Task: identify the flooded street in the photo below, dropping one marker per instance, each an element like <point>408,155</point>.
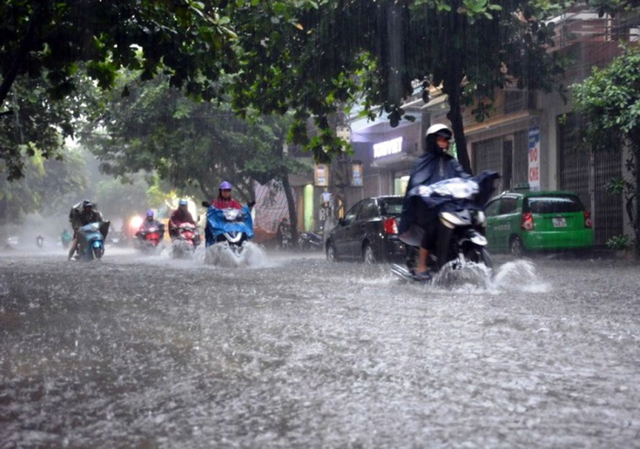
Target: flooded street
<point>136,351</point>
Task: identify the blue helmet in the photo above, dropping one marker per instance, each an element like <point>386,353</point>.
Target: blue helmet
<point>149,213</point>
<point>224,185</point>
<point>183,202</point>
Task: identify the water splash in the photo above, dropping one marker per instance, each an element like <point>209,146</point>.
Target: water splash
<point>223,255</point>
<point>465,276</point>
<point>518,275</point>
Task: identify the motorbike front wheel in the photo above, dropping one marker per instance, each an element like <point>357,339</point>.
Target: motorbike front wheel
<point>98,252</point>
<point>478,255</point>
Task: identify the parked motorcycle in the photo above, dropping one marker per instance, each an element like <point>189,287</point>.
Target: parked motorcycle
<point>313,241</point>
<point>461,241</point>
<point>185,241</point>
<point>150,239</point>
<point>91,240</point>
<point>227,233</point>
<point>283,235</point>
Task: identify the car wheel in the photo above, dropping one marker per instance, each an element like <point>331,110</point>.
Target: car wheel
<point>331,253</point>
<point>368,256</point>
<point>516,247</point>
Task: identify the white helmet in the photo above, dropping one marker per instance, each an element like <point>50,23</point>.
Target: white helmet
<point>440,129</point>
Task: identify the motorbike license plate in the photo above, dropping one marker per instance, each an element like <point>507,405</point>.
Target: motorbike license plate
<point>559,222</point>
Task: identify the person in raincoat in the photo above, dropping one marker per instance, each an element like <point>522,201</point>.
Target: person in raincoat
<point>150,222</point>
<point>224,200</point>
<point>433,166</point>
<point>179,216</point>
<point>80,215</point>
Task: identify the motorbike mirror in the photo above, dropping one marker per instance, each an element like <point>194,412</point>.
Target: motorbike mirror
<point>206,204</point>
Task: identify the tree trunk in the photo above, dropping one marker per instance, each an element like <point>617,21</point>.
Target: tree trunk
<point>455,117</point>
<point>292,209</point>
<point>636,219</point>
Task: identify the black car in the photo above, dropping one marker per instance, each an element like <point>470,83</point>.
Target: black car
<point>368,233</point>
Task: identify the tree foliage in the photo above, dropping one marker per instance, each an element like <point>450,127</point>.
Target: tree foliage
<point>359,50</point>
<point>610,102</point>
<point>314,57</point>
<point>50,43</point>
<point>47,186</point>
<point>192,145</point>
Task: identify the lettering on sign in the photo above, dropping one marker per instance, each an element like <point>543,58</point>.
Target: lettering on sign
<point>387,147</point>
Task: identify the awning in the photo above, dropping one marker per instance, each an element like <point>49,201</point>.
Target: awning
<point>437,101</point>
<point>499,122</point>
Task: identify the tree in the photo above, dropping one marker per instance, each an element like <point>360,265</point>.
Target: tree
<point>609,100</point>
<point>326,61</point>
<point>191,145</point>
<point>49,42</point>
<point>613,7</point>
<point>37,124</point>
<point>47,186</point>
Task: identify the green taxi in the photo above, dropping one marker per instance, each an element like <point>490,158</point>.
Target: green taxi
<point>528,221</point>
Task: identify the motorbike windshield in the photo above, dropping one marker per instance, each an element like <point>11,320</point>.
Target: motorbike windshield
<point>239,220</point>
<point>91,227</point>
<point>455,188</point>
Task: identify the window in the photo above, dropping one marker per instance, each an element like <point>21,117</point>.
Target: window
<point>553,205</point>
<point>492,208</point>
<point>368,210</point>
<point>351,214</point>
<point>391,206</point>
<point>508,205</point>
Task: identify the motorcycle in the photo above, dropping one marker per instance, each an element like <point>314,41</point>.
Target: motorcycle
<point>40,241</point>
<point>313,241</point>
<point>227,232</point>
<point>66,238</point>
<point>91,240</point>
<point>117,238</point>
<point>185,240</point>
<point>283,236</point>
<point>150,239</point>
<point>461,241</point>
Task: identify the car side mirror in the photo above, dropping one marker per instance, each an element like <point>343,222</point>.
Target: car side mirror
<point>206,204</point>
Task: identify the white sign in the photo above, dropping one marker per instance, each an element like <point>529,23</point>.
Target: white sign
<point>388,147</point>
<point>534,158</point>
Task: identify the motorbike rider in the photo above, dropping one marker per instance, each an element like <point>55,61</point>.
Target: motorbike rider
<point>224,200</point>
<point>179,216</point>
<point>80,215</point>
<point>433,166</point>
<point>150,222</point>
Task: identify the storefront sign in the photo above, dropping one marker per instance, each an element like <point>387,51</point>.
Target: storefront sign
<point>322,175</point>
<point>356,174</point>
<point>387,147</point>
<point>534,158</point>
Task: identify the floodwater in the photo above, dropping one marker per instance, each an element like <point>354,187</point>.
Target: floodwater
<point>136,351</point>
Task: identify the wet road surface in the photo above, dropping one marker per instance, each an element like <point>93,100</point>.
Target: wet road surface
<point>150,352</point>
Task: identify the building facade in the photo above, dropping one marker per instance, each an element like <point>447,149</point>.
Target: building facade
<point>531,138</point>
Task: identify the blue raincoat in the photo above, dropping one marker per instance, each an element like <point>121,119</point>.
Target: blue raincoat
<point>217,224</point>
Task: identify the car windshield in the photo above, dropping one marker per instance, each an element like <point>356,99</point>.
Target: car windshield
<point>554,204</point>
<point>391,206</point>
